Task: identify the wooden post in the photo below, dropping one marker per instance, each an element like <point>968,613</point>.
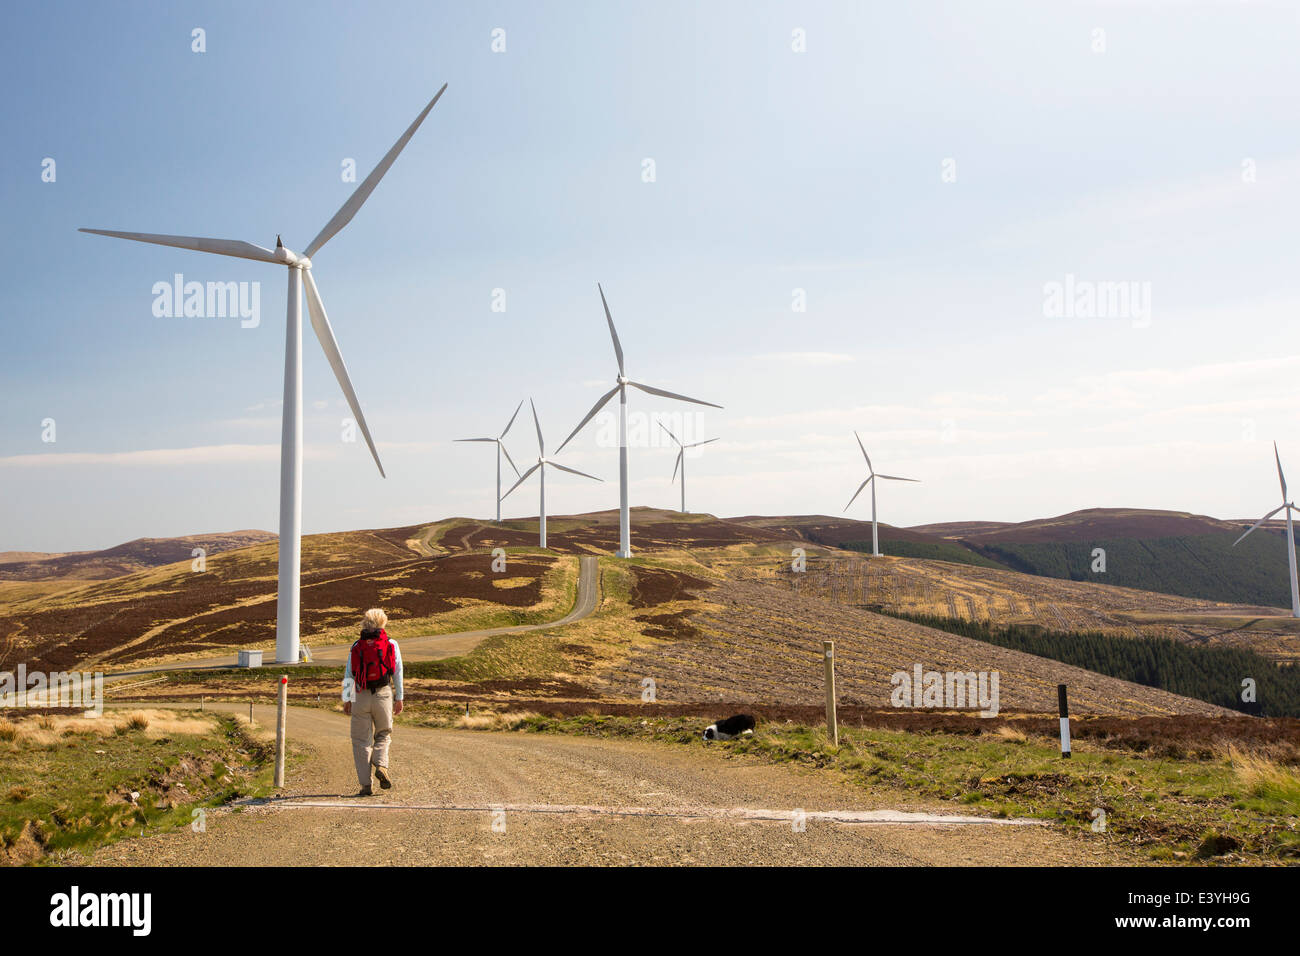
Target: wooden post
<point>832,728</point>
<point>279,730</point>
<point>250,711</point>
<point>1064,706</point>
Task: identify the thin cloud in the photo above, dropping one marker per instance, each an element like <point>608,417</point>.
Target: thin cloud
<point>151,457</point>
<point>807,358</point>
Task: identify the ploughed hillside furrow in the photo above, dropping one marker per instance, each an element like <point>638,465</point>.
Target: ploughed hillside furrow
<point>762,644</point>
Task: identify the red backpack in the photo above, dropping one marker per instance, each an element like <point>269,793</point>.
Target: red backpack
<point>373,660</point>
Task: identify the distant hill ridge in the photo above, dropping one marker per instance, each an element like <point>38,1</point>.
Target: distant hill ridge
<point>1174,552</point>
<point>126,558</point>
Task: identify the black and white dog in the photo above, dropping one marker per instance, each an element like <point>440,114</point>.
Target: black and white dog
<point>741,725</point>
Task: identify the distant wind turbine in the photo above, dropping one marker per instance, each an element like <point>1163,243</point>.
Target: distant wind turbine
<point>299,266</point>
<point>875,537</point>
<point>1290,535</point>
<point>624,522</point>
<point>542,462</point>
<point>681,460</point>
<point>501,448</point>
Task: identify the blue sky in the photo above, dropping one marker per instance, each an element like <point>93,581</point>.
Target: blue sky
<point>1162,151</point>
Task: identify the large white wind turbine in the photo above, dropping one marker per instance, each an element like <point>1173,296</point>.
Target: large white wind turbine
<point>501,447</point>
<point>1290,536</point>
<point>871,480</point>
<point>624,532</point>
<point>542,462</point>
<point>681,459</point>
<point>299,266</point>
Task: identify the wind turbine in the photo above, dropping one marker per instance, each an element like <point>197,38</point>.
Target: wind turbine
<point>681,460</point>
<point>501,447</point>
<point>542,462</point>
<point>299,266</point>
<point>624,530</point>
<point>1290,536</point>
<point>875,537</point>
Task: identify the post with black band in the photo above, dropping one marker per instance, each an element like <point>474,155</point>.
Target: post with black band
<point>1064,706</point>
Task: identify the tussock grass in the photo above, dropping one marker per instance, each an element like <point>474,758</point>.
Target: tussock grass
<point>51,730</point>
<point>494,721</point>
<point>116,775</point>
<point>1265,779</point>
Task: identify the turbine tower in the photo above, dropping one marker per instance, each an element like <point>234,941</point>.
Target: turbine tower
<point>871,480</point>
<point>542,462</point>
<point>501,447</point>
<point>300,277</point>
<point>1290,535</point>
<point>624,521</point>
<point>681,460</point>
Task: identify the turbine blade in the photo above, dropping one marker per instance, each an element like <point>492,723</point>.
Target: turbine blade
<point>675,464</point>
<point>541,445</point>
<point>670,434</point>
<point>618,349</point>
<point>320,323</point>
<point>858,492</point>
<point>600,403</point>
<point>221,247</point>
<point>1280,477</point>
<point>1258,523</point>
<point>507,454</point>
<point>699,443</point>
<point>522,479</point>
<point>681,398</point>
<point>896,478</point>
<point>512,419</point>
<point>473,439</point>
<point>864,453</point>
<point>573,471</point>
<point>362,192</point>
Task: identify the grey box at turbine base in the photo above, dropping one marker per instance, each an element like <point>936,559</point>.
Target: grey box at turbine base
<point>250,658</point>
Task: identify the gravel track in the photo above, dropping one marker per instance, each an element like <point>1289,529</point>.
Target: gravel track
<point>562,797</point>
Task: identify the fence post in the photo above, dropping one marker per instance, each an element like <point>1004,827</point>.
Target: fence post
<point>832,728</point>
<point>1064,706</point>
<point>279,730</point>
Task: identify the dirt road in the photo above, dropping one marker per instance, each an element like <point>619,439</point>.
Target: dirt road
<point>568,800</point>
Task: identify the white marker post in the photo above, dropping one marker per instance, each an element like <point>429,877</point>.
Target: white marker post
<point>832,728</point>
<point>1064,707</point>
<point>280,710</point>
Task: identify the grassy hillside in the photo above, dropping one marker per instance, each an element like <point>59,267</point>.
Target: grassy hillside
<point>855,535</point>
<point>175,611</point>
<point>1202,566</point>
<point>1211,674</point>
<point>929,550</point>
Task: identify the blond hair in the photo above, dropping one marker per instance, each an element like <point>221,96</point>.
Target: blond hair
<point>374,620</point>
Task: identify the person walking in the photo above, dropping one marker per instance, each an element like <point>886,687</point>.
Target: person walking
<point>372,696</point>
